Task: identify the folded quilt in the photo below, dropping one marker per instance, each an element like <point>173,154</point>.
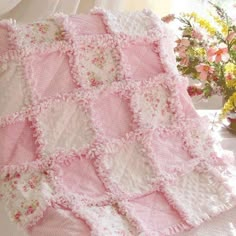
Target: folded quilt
<point>98,135</point>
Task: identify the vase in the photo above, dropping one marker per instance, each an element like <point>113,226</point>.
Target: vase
<point>231,118</point>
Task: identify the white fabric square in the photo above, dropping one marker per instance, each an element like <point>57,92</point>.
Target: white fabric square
<point>199,196</point>
<point>128,168</point>
<point>65,127</point>
<point>13,91</point>
<point>106,221</point>
<point>136,24</point>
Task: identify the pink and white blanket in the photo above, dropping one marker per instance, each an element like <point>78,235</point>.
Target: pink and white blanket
<point>98,135</point>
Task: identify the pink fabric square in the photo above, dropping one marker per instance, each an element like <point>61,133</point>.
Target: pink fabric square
<point>4,44</point>
<point>155,213</point>
<point>88,24</point>
<point>116,122</point>
<point>59,222</point>
<point>17,144</point>
<point>53,79</point>
<point>168,156</point>
<point>143,61</point>
<point>80,177</point>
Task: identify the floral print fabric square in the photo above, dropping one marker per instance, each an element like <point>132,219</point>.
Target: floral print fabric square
<point>39,32</point>
<point>98,60</point>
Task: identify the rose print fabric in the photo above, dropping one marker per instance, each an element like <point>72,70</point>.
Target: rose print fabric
<point>97,133</point>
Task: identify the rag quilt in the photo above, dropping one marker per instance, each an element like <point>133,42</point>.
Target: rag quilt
<point>98,135</point>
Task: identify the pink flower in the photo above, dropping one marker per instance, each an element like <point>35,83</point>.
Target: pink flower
<point>231,36</point>
<point>197,35</point>
<point>194,91</point>
<point>182,52</point>
<point>7,177</point>
<point>17,175</point>
<point>25,188</point>
<point>168,18</point>
<point>182,45</point>
<point>30,210</point>
<point>204,70</point>
<point>17,216</point>
<point>31,184</point>
<point>218,54</point>
<point>184,61</point>
<point>183,42</point>
<point>95,82</point>
<point>229,76</point>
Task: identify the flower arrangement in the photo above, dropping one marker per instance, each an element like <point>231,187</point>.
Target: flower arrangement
<point>206,52</point>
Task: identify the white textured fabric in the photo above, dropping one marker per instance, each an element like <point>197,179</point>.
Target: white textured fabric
<point>126,173</point>
<point>112,223</point>
<point>69,113</point>
<point>223,225</point>
<point>199,196</point>
<point>11,85</point>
